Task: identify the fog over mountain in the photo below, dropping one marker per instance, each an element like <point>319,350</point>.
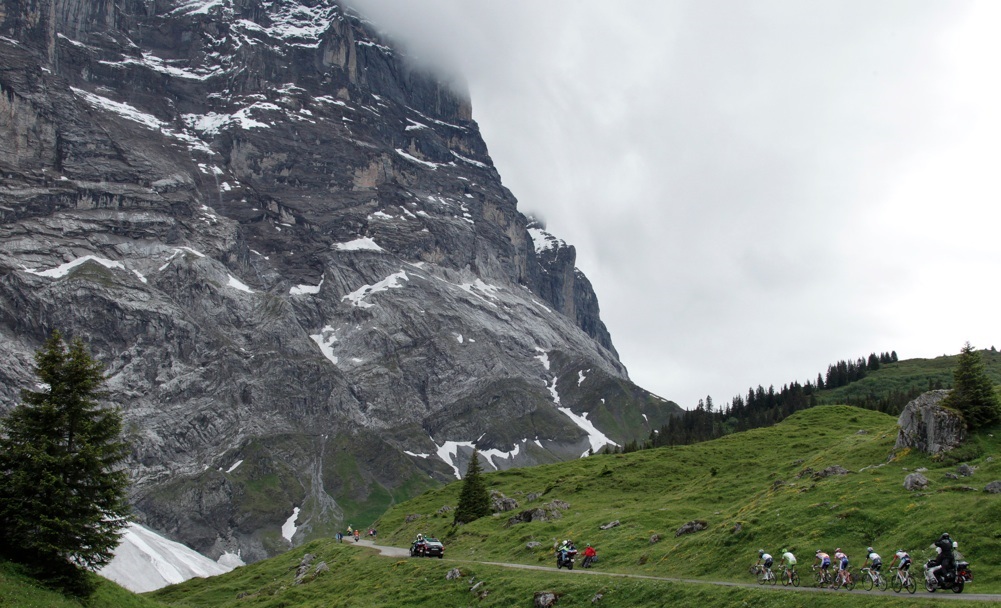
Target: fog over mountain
<point>755,189</point>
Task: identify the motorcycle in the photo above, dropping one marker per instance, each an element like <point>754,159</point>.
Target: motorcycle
<point>565,557</point>
<point>954,581</point>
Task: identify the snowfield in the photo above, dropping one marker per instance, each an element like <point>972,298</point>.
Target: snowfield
<point>146,561</point>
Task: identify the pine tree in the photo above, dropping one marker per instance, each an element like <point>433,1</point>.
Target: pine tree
<point>973,392</point>
<point>474,500</point>
<point>62,488</point>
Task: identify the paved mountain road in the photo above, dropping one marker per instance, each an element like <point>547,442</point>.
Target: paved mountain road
<point>942,595</point>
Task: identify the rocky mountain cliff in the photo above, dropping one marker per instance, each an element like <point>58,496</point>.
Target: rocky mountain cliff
<point>291,249</point>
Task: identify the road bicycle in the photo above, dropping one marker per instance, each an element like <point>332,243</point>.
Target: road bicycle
<point>822,576</point>
<point>790,577</point>
<point>766,576</point>
<point>755,569</point>
<point>847,581</point>
<point>903,580</point>
<point>872,578</point>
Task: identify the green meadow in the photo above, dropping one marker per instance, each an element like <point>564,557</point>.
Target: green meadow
<point>754,490</point>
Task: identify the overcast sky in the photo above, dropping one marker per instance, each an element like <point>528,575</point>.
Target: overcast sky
<point>755,189</point>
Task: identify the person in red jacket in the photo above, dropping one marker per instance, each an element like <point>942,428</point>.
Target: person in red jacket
<point>589,555</point>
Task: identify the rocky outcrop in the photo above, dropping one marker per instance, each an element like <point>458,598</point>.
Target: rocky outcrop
<point>927,426</point>
<point>915,481</point>
<point>291,250</point>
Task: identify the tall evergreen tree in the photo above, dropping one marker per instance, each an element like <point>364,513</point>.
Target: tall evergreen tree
<point>62,488</point>
<point>474,500</point>
<point>973,392</point>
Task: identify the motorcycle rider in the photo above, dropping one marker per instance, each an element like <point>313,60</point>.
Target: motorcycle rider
<point>565,548</point>
<point>944,564</point>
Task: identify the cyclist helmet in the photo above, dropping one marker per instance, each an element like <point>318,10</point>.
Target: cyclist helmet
<point>761,552</point>
<point>901,551</point>
<point>784,550</point>
<point>945,536</point>
<point>819,551</point>
<point>869,550</point>
<point>838,550</point>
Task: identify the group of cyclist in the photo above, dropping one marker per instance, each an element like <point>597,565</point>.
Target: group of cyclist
<point>823,561</point>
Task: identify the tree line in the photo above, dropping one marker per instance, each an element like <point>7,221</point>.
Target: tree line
<point>763,407</point>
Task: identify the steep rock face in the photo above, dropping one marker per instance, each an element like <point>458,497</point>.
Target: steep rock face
<point>927,426</point>
<point>292,252</point>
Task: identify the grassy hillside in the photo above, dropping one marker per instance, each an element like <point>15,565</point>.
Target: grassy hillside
<point>356,578</point>
<point>754,490</point>
<point>21,591</point>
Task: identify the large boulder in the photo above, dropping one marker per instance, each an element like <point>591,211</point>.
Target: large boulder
<point>927,426</point>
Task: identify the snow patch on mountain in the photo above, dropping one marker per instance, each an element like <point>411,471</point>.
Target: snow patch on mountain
<point>495,453</point>
<point>237,284</point>
<point>145,561</point>
<point>289,527</point>
<point>359,244</point>
<point>596,438</point>
<point>449,452</point>
<point>544,241</point>
<point>300,290</point>
<point>357,297</point>
<point>544,358</point>
<point>325,340</point>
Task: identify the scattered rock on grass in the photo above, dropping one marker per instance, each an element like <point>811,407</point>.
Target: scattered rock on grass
<point>655,538</point>
<point>453,574</point>
<point>831,471</point>
<point>915,481</point>
<point>610,525</point>
<point>534,544</point>
<point>695,525</point>
<point>965,470</point>
<point>545,599</point>
<point>993,487</point>
<point>501,503</point>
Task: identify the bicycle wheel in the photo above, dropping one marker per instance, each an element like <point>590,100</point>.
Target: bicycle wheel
<point>880,582</point>
<point>795,579</point>
<point>819,578</point>
<point>910,584</point>
<point>867,582</point>
<point>850,583</point>
<point>772,578</point>
<point>762,577</point>
<point>896,584</point>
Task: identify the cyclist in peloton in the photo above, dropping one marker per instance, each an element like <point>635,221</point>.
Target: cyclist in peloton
<point>842,560</point>
<point>823,559</point>
<point>905,560</point>
<point>872,556</point>
<point>764,559</point>
<point>789,561</point>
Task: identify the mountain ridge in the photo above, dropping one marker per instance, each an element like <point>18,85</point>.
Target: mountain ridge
<point>290,248</point>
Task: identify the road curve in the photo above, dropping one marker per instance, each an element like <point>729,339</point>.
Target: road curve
<point>941,595</point>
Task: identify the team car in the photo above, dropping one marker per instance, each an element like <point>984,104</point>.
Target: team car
<point>428,547</point>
